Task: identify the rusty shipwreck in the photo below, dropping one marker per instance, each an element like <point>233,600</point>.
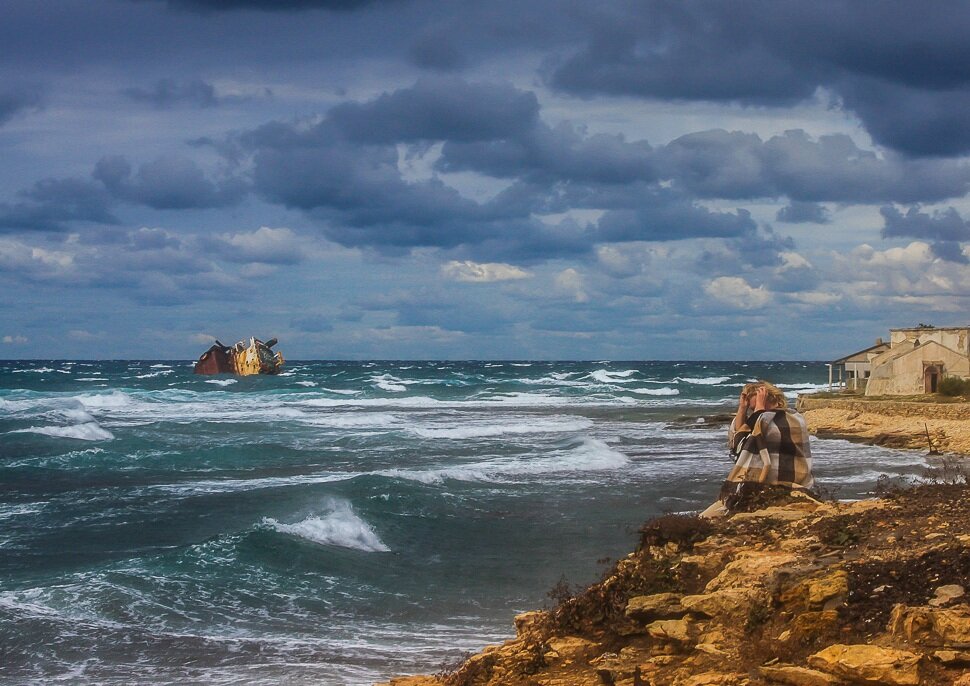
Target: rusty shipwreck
<point>244,359</point>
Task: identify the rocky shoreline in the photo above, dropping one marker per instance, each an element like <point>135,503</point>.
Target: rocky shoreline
<point>942,427</point>
<point>798,592</point>
<point>794,591</point>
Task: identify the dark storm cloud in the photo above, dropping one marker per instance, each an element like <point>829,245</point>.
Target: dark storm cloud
<point>945,225</point>
<point>440,109</point>
<point>52,203</point>
<point>903,67</point>
<point>722,164</point>
<point>16,100</point>
<point>437,53</point>
<point>272,5</point>
<point>166,93</point>
<point>344,171</point>
<point>946,229</point>
<point>797,212</point>
<point>543,153</point>
<point>170,182</point>
<point>668,217</point>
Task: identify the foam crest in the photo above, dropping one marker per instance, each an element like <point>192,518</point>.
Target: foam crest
<point>487,430</point>
<point>704,381</point>
<point>89,431</point>
<point>592,455</point>
<point>341,527</point>
<point>389,383</point>
<point>664,390</point>
<point>608,377</point>
<point>221,382</point>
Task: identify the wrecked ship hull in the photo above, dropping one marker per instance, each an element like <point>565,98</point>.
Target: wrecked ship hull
<point>241,359</point>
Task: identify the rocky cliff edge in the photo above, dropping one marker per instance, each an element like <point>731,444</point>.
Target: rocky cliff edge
<point>796,592</point>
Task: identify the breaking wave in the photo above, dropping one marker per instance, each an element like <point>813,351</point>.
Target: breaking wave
<point>341,527</point>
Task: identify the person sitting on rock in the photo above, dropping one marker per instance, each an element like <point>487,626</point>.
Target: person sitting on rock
<point>769,444</point>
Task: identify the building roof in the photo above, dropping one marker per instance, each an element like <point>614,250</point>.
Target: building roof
<point>873,348</point>
<point>931,328</point>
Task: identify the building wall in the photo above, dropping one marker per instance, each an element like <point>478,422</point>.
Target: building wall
<point>896,373</point>
<point>956,338</point>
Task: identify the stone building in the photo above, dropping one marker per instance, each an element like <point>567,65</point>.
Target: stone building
<point>918,359</point>
<point>852,371</point>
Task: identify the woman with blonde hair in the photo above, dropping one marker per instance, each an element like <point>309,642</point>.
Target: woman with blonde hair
<point>769,444</point>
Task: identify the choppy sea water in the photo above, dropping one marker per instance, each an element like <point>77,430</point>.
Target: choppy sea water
<point>345,521</point>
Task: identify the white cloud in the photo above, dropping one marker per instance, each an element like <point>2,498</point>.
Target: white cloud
<point>736,292</point>
<point>15,340</point>
<point>202,338</point>
<point>483,272</point>
<point>571,282</point>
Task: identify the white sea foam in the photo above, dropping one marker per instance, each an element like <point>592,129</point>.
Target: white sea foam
<point>590,456</point>
<point>89,431</point>
<point>113,400</point>
<point>704,381</point>
<point>389,383</point>
<point>664,390</point>
<point>308,384</point>
<point>606,376</point>
<point>38,370</point>
<point>150,375</point>
<point>233,485</point>
<point>341,527</point>
<point>9,511</point>
<point>160,366</point>
<point>485,430</point>
<point>221,382</point>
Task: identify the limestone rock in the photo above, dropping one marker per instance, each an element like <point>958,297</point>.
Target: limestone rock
<point>714,679</point>
<point>818,592</point>
<point>797,676</point>
<point>814,625</point>
<point>569,649</point>
<point>725,603</point>
<point>782,513</point>
<point>962,680</point>
<point>413,681</point>
<point>645,608</point>
<point>526,621</point>
<point>952,657</point>
<point>932,626</point>
<point>758,567</point>
<point>677,630</point>
<point>946,594</point>
<point>869,664</point>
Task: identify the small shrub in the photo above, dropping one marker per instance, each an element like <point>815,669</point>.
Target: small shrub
<point>838,531</point>
<point>683,530</point>
<point>758,616</point>
<point>954,385</point>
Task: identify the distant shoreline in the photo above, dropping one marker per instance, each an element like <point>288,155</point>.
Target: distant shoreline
<point>912,425</point>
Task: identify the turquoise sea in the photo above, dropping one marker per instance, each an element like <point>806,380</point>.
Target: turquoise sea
<point>345,521</point>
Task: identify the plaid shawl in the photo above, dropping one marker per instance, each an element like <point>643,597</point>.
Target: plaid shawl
<point>771,448</point>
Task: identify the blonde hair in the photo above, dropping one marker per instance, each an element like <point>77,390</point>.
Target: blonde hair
<point>775,395</point>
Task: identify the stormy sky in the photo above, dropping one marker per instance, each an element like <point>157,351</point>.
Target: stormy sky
<point>416,179</point>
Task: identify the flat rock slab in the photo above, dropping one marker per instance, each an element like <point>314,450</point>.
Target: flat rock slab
<point>869,664</point>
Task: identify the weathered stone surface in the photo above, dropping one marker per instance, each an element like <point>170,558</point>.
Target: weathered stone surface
<point>869,664</point>
<point>962,680</point>
<point>677,630</point>
<point>932,626</point>
<point>824,591</point>
<point>646,608</point>
<point>726,603</point>
<point>527,621</point>
<point>797,676</point>
<point>711,649</point>
<point>412,681</point>
<point>812,625</point>
<point>947,594</point>
<point>782,513</point>
<point>757,567</point>
<point>713,679</point>
<point>569,649</point>
<point>952,657</point>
